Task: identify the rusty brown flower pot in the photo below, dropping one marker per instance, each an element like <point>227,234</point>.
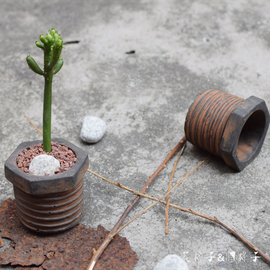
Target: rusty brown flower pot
<point>48,204</point>
<point>227,126</point>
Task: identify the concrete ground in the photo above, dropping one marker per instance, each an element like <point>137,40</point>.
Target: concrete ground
<point>182,48</point>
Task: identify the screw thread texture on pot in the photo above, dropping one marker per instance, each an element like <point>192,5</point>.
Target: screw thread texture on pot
<point>50,213</point>
<point>207,118</point>
<point>227,126</point>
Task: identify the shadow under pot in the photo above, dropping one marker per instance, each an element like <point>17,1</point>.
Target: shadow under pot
<point>48,204</point>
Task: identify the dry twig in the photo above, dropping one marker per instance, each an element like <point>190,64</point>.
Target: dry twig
<point>34,125</point>
<point>109,238</point>
<point>169,187</point>
<point>158,200</point>
<point>191,211</point>
<point>213,219</point>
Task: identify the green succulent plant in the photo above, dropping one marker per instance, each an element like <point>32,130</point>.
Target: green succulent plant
<point>52,45</point>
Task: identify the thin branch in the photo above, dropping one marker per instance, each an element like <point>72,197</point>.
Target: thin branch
<point>159,200</point>
<point>34,125</point>
<point>71,42</point>
<point>237,235</point>
<point>141,194</point>
<point>169,187</point>
<point>191,211</point>
<point>130,206</point>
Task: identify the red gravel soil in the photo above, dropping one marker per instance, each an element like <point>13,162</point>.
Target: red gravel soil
<point>65,155</point>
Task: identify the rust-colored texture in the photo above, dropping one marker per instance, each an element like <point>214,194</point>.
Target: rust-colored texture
<point>228,126</point>
<point>64,251</point>
<point>54,203</point>
<point>50,212</point>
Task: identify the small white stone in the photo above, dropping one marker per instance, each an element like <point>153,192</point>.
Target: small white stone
<point>44,165</point>
<point>172,262</point>
<point>93,129</point>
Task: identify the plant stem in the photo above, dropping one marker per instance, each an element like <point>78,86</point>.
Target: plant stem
<point>52,46</point>
<point>47,111</point>
<point>109,237</point>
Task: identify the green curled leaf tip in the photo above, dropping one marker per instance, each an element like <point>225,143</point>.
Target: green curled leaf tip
<point>52,31</point>
<point>58,66</point>
<point>33,65</point>
<point>50,38</point>
<point>43,39</point>
<point>38,44</point>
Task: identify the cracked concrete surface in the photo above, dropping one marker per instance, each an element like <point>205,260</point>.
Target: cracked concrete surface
<point>182,48</point>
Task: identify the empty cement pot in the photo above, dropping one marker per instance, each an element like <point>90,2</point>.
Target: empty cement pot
<point>227,126</point>
<point>48,204</point>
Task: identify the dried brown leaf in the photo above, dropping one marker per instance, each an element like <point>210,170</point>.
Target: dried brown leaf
<point>29,268</point>
<point>1,242</point>
<point>72,249</point>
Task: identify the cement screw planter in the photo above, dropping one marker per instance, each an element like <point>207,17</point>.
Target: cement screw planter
<point>48,204</point>
<point>227,126</point>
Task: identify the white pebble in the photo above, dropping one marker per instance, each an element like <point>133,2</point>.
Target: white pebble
<point>172,262</point>
<point>44,165</point>
<point>93,129</point>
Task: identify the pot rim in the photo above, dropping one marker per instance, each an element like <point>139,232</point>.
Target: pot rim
<point>37,185</point>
